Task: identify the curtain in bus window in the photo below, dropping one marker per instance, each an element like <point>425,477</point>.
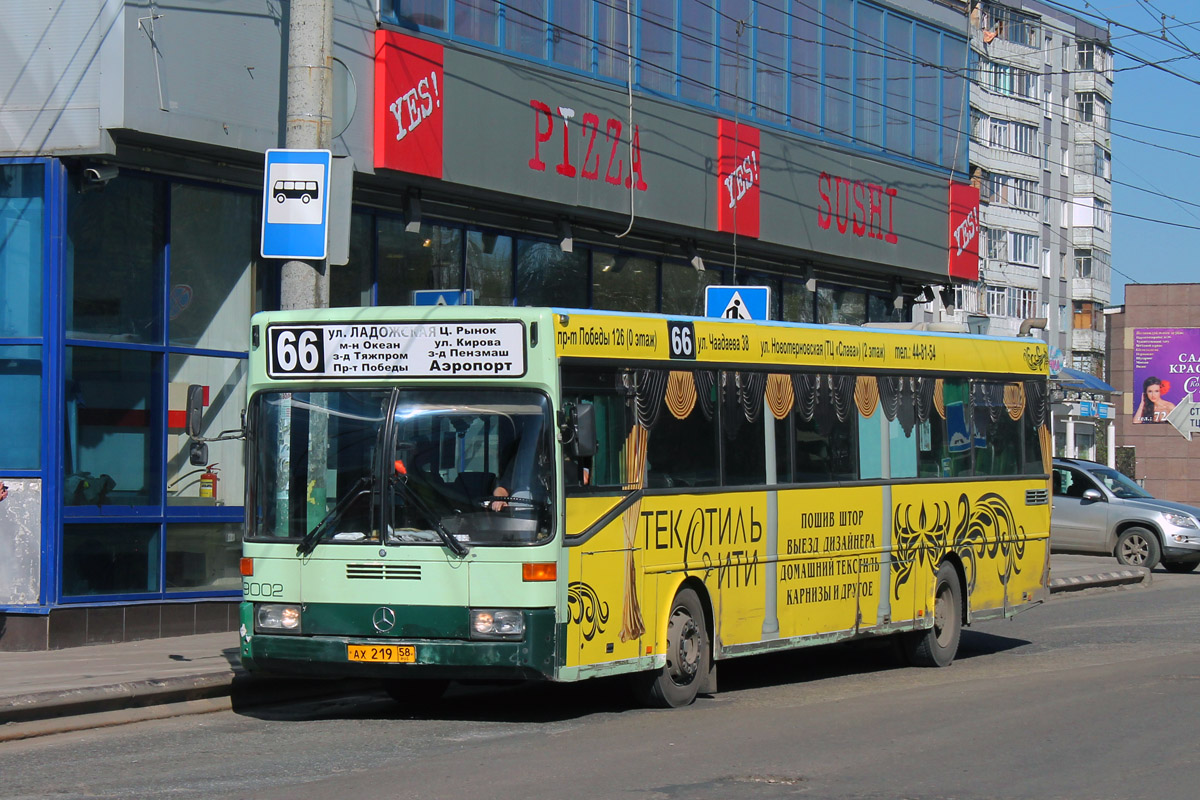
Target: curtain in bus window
<point>682,451</point>
<point>650,386</point>
<point>1039,449</point>
<point>744,454</point>
<point>958,429</point>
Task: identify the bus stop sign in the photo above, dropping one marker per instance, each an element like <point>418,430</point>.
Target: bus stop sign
<point>295,221</point>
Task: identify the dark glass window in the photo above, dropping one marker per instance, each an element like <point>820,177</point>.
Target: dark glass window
<point>623,282</point>
<point>797,302</point>
<point>110,559</point>
<point>21,400</point>
<point>111,427</point>
<point>683,452</point>
<point>115,237</point>
<point>683,288</point>
<point>350,283</point>
<point>614,421</point>
<point>22,221</point>
<point>546,276</point>
<point>744,452</point>
<point>428,259</point>
<point>490,268</point>
<point>203,557</point>
<point>825,450</point>
<point>214,234</point>
<point>998,439</point>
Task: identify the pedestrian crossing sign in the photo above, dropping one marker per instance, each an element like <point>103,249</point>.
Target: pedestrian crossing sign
<point>738,302</point>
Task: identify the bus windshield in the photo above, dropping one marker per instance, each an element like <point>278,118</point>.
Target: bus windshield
<point>475,465</point>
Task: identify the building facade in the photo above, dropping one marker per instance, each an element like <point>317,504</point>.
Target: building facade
<point>1154,352</point>
<point>1040,153</point>
<point>531,154</point>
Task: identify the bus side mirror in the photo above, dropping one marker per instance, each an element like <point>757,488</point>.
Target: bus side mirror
<point>195,410</point>
<point>583,423</point>
<point>197,454</point>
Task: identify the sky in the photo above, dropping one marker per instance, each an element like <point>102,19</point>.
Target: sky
<point>1155,137</point>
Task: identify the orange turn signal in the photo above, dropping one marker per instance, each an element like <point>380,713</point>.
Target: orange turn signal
<point>539,572</point>
<point>247,565</point>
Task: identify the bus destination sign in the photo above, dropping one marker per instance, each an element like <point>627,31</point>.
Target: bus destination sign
<point>397,349</point>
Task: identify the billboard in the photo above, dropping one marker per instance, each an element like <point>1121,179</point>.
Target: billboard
<point>1166,368</point>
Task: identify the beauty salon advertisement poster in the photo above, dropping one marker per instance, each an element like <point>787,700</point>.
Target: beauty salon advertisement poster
<point>1170,356</point>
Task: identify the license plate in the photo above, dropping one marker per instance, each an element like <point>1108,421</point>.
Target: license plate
<point>382,653</point>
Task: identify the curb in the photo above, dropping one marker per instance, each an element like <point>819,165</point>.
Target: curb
<point>1114,578</point>
<point>45,713</point>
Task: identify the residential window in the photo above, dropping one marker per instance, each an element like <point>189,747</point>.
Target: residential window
<point>1083,263</point>
<point>1022,303</point>
<point>1102,163</point>
<point>1000,22</point>
<point>1091,107</point>
<point>1101,219</point>
<point>1085,55</point>
<point>1009,80</point>
<point>996,301</point>
<point>995,243</point>
<point>1023,248</point>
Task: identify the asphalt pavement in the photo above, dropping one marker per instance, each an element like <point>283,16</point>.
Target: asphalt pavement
<point>56,691</point>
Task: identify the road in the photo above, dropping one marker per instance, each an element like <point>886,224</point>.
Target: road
<point>1094,695</point>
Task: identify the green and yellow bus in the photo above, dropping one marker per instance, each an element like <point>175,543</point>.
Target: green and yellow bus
<point>467,493</point>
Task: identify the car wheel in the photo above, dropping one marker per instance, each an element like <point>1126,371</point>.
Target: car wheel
<point>937,646</point>
<point>1181,567</point>
<point>688,657</point>
<point>1137,547</point>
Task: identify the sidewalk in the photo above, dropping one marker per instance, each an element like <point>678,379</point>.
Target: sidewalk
<point>55,691</point>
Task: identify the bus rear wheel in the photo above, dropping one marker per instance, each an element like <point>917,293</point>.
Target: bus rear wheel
<point>937,646</point>
<point>689,657</point>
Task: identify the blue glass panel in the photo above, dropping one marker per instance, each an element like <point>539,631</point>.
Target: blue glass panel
<point>697,51</point>
<point>658,45</point>
<point>21,400</point>
<point>868,79</point>
<point>22,213</point>
<point>899,87</point>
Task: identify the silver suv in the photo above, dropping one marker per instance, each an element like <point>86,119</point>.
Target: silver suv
<point>1098,510</point>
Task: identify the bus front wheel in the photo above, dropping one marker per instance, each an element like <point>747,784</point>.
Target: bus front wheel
<point>937,646</point>
<point>689,657</point>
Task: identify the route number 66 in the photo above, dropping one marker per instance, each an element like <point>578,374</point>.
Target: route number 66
<point>682,338</point>
<point>297,350</point>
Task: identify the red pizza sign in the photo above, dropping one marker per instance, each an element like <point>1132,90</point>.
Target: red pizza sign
<point>964,231</point>
<point>738,178</point>
<point>408,104</point>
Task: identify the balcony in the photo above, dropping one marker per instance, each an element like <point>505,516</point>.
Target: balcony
<point>1096,289</point>
<point>1087,340</point>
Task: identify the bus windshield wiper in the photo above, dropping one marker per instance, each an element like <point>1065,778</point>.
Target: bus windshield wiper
<point>309,543</point>
<point>458,548</point>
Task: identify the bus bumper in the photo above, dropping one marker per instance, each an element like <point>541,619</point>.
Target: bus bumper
<point>455,659</point>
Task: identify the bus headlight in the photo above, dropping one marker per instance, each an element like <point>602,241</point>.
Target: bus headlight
<point>497,623</point>
<point>277,617</point>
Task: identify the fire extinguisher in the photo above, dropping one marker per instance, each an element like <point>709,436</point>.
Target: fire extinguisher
<point>208,482</point>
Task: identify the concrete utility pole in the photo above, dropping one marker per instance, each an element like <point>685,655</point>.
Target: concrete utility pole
<point>305,284</point>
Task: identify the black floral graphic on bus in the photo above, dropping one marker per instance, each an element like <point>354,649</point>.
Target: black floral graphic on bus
<point>586,609</point>
<point>985,528</point>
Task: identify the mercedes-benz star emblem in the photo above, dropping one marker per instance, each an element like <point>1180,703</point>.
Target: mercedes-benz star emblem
<point>384,619</point>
